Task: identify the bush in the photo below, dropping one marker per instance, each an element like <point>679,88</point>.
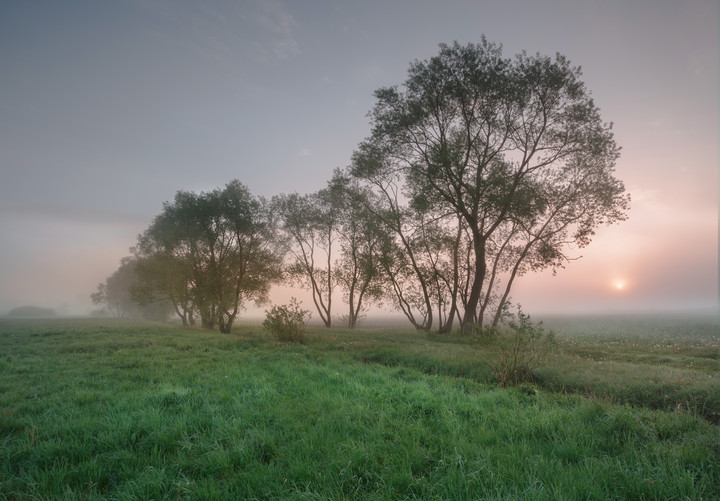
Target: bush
<point>523,346</point>
<point>287,322</point>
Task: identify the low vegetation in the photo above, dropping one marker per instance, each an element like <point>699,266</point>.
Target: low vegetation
<point>287,323</point>
<point>523,348</point>
<point>114,410</point>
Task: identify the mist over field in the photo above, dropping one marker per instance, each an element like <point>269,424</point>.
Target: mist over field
<point>109,110</point>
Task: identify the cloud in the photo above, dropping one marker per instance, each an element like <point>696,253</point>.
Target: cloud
<point>279,24</point>
<point>225,33</point>
<point>286,47</point>
<point>275,17</point>
<point>303,152</point>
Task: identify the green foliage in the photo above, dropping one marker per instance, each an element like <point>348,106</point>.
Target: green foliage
<point>287,323</point>
<point>508,154</point>
<point>310,225</point>
<point>314,227</point>
<point>209,254</point>
<point>522,347</point>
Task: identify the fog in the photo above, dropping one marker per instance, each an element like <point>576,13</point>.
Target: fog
<point>109,109</point>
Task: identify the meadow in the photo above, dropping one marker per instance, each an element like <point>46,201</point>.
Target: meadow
<point>623,409</point>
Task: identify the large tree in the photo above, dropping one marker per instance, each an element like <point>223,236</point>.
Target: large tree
<point>211,253</point>
<point>512,148</point>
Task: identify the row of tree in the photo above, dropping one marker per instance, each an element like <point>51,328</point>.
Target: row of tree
<point>478,170</point>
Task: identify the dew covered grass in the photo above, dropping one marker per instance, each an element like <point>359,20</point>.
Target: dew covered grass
<point>111,410</point>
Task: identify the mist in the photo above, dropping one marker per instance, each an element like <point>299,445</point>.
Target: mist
<point>108,110</point>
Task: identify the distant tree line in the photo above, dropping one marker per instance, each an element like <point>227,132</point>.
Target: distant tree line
<point>31,311</point>
<point>478,169</point>
<point>115,296</point>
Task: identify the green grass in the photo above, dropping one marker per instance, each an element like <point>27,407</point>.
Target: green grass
<point>122,411</point>
<point>666,363</point>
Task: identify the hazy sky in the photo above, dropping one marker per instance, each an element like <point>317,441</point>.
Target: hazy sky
<point>108,108</point>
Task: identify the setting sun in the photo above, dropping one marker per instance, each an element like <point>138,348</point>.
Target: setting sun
<point>620,285</point>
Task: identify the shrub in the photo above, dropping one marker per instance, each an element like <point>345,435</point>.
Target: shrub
<point>287,322</point>
<point>522,346</point>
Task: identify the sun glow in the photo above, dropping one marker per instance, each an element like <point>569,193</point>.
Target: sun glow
<point>619,285</point>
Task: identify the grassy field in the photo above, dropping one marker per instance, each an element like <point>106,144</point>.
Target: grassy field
<point>88,410</point>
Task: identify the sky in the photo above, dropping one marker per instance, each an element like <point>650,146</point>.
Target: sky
<point>108,108</point>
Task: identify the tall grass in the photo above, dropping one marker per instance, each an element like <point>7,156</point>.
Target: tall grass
<point>118,411</point>
<point>666,363</point>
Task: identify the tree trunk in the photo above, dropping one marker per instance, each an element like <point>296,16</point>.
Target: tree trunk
<point>498,312</point>
<point>180,312</point>
<point>447,327</point>
<point>225,326</point>
<point>208,318</point>
<point>476,289</point>
<point>403,304</point>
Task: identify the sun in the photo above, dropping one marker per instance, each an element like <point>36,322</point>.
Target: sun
<point>619,285</point>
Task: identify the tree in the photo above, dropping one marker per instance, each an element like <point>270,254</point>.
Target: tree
<point>310,224</point>
<point>162,277</point>
<point>210,253</point>
<point>416,257</point>
<point>331,242</point>
<point>253,262</point>
<point>116,295</point>
<point>357,270</point>
<point>398,253</point>
<point>31,311</point>
<point>169,260</point>
<point>513,150</point>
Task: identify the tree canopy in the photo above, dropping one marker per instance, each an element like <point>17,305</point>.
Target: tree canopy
<point>509,154</point>
<point>117,295</point>
<point>210,254</point>
<point>330,242</point>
